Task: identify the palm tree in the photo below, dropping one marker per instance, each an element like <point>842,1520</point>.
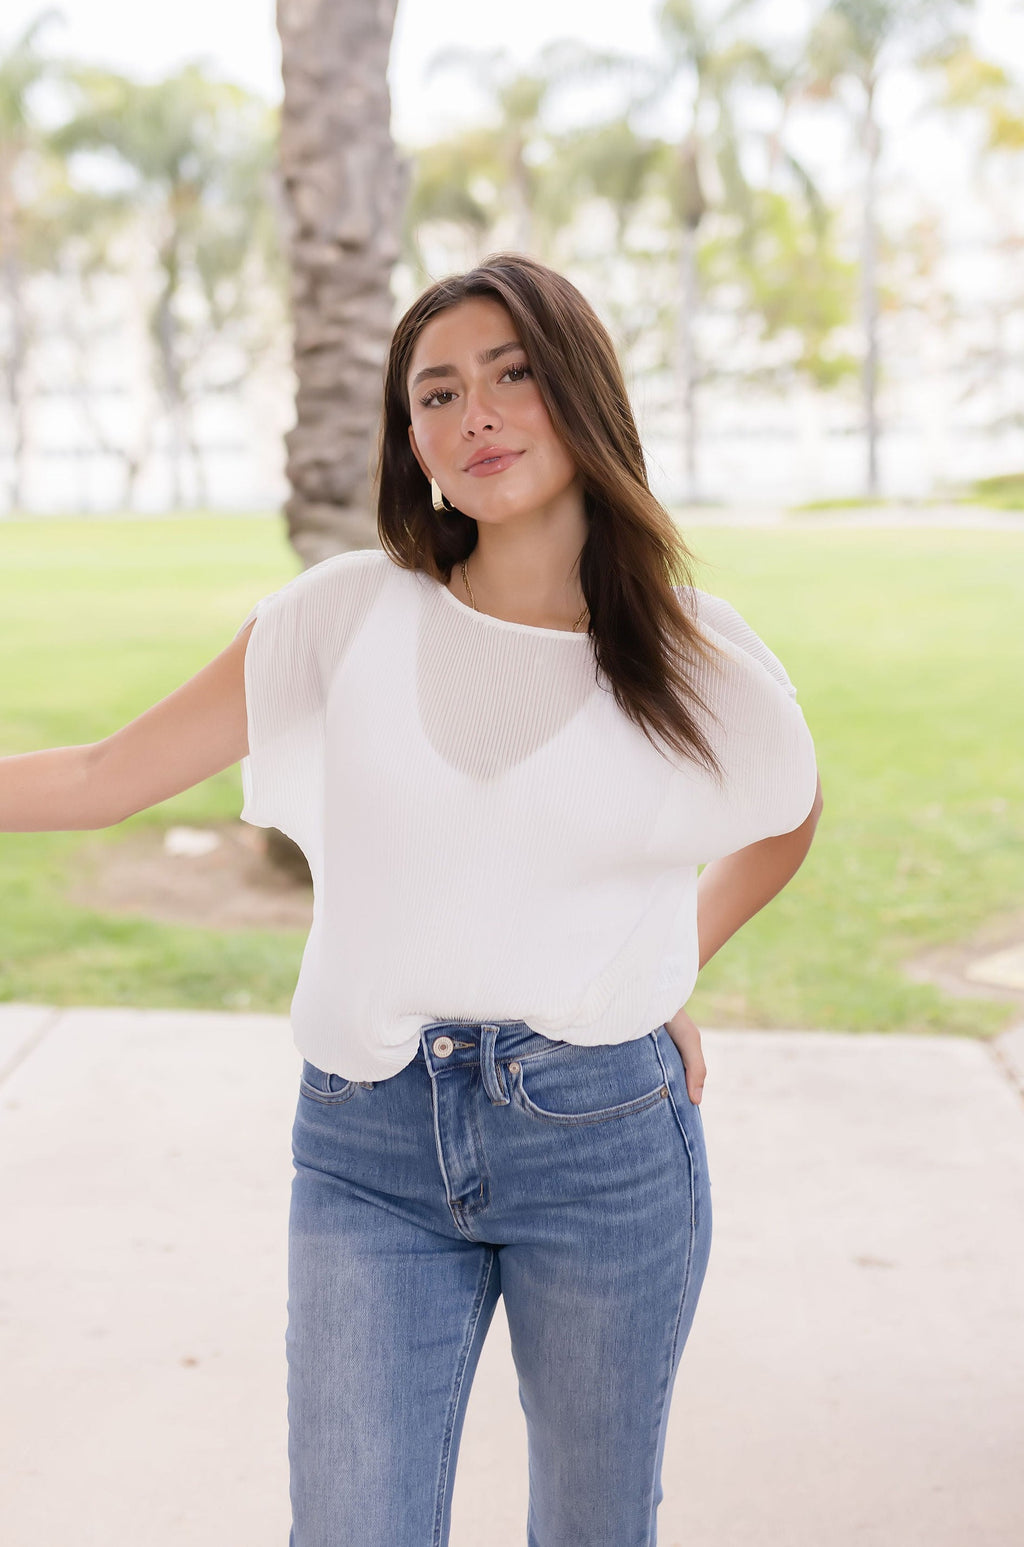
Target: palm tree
<point>199,155</point>
<point>455,195</point>
<point>795,284</point>
<point>81,232</point>
<point>776,247</point>
<point>343,187</point>
<point>504,179</point>
<point>519,98</point>
<point>704,56</point>
<point>853,44</point>
<point>611,163</point>
<point>25,150</point>
<point>610,169</point>
<point>458,207</point>
<point>985,91</point>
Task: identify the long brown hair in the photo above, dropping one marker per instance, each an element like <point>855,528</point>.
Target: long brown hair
<point>645,642</point>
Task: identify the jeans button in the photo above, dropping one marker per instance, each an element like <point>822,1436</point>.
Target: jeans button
<point>444,1047</point>
<point>513,1067</point>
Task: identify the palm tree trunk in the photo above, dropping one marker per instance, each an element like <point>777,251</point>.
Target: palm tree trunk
<point>869,288</point>
<point>170,383</point>
<point>519,187</point>
<point>17,355</point>
<point>343,188</point>
<point>195,451</point>
<point>693,206</point>
<point>688,357</point>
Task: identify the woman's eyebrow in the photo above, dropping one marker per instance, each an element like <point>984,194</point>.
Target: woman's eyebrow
<point>484,358</point>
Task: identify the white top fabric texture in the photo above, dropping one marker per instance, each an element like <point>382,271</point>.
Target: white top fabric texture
<point>490,836</point>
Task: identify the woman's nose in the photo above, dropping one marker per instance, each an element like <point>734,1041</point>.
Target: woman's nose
<point>479,416</point>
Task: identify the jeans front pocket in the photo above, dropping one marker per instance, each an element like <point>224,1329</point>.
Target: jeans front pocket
<point>319,1085</point>
<point>589,1084</point>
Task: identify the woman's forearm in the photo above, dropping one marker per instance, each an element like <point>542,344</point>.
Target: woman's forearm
<point>54,790</point>
<point>732,889</point>
<point>195,732</point>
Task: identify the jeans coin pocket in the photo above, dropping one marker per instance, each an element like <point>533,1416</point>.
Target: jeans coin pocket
<point>319,1085</point>
<point>589,1084</point>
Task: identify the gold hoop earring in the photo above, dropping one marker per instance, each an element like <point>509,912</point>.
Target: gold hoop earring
<point>440,501</point>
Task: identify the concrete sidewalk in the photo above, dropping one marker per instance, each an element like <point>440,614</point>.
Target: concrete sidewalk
<point>855,1373</point>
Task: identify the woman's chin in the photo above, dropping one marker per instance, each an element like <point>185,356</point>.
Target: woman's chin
<point>500,510</point>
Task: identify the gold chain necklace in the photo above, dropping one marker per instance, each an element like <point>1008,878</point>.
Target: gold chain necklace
<point>469,588</point>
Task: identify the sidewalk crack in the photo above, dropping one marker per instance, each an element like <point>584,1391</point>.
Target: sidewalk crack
<point>1008,1065</point>
<point>30,1044</point>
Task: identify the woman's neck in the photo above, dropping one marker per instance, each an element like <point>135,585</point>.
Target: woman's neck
<point>539,605</point>
<point>526,575</point>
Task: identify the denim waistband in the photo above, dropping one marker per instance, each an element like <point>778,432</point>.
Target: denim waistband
<point>453,1044</point>
<point>475,1029</point>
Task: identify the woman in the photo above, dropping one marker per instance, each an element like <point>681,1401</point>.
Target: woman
<point>505,742</point>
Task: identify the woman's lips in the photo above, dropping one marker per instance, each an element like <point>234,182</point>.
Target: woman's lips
<point>493,465</point>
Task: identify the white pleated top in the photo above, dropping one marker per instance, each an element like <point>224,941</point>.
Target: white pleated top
<point>490,836</point>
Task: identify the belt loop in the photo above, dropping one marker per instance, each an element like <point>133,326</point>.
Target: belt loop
<point>493,1083</point>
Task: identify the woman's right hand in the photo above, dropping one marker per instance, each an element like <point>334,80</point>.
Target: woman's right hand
<point>195,732</point>
<point>685,1035</point>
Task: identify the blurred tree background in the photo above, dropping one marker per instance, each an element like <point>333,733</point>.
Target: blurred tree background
<point>175,276</point>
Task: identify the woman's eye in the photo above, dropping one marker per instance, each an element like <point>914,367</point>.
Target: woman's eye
<point>440,397</point>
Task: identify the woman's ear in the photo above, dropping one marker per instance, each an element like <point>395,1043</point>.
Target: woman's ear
<point>424,469</point>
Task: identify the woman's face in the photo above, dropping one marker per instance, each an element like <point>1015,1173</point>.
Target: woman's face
<point>479,424</point>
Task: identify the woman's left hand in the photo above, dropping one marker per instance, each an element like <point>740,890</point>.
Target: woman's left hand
<point>686,1037</point>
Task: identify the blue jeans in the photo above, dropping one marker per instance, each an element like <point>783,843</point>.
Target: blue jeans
<point>571,1180</point>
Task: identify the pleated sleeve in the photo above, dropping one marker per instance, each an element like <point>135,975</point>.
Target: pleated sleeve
<point>298,639</point>
<point>759,734</point>
<point>282,776</point>
<point>722,616</point>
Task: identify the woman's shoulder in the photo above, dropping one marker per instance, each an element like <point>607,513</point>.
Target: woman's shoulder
<point>711,611</point>
<point>715,614</point>
<point>332,592</point>
<point>357,567</point>
<point>315,615</point>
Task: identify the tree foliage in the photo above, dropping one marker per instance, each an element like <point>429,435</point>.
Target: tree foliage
<point>684,205</point>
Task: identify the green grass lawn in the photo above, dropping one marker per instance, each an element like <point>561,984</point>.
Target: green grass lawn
<point>905,648</point>
<point>908,657</point>
<point>1003,493</point>
<point>98,620</point>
